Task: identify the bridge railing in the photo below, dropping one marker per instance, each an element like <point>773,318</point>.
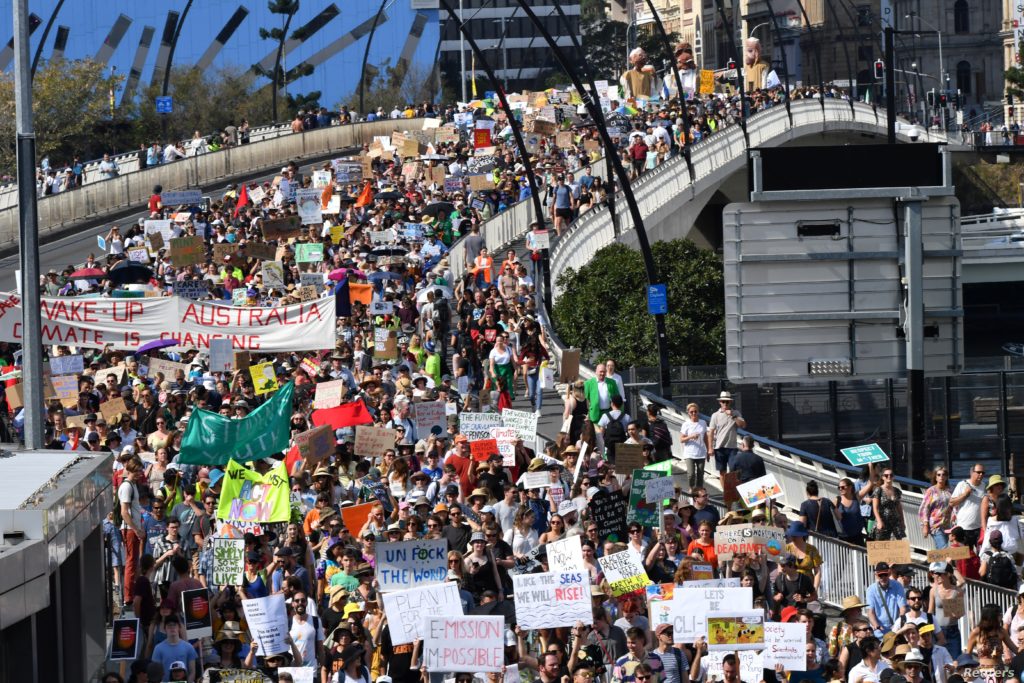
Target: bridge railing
<point>96,200</point>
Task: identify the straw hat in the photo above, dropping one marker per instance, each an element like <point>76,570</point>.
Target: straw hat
<point>850,602</point>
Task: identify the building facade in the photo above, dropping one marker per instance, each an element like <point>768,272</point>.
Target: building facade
<point>511,44</point>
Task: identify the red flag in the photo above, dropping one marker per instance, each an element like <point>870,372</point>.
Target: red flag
<point>243,199</point>
<point>366,196</point>
<point>345,415</point>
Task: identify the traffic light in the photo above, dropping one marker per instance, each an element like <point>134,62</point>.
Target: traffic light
<point>879,69</point>
<point>943,100</point>
<point>930,96</point>
<point>731,64</point>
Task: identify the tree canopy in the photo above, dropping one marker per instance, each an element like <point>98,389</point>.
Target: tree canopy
<point>1015,75</point>
<point>603,306</point>
<point>604,43</point>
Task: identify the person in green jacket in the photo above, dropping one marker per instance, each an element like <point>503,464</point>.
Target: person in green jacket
<point>432,365</point>
<point>598,392</point>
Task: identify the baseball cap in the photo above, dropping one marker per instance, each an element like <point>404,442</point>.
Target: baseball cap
<point>178,665</point>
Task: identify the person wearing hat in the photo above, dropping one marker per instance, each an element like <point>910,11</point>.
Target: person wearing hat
<point>722,431</point>
<point>912,667</point>
<point>886,600</point>
<point>228,645</point>
<point>272,661</point>
<point>1007,523</point>
<point>843,632</point>
<point>936,656</point>
<point>348,664</point>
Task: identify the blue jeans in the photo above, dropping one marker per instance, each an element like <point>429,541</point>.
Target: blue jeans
<point>952,633</point>
<point>940,539</point>
<point>533,391</point>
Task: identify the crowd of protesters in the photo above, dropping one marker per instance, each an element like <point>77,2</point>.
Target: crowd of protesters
<point>474,342</point>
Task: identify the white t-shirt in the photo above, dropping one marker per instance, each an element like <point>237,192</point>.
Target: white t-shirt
<point>305,636</point>
<point>696,449</point>
<point>128,493</point>
<point>968,513</point>
<point>862,673</point>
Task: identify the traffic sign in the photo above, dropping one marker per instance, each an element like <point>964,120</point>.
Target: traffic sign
<point>657,299</point>
<point>862,455</point>
<point>164,105</point>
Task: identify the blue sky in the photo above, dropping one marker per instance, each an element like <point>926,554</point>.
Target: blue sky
<point>90,21</point>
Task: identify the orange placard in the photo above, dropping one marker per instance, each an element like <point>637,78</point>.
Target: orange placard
<point>483,449</point>
<point>355,516</point>
<point>359,293</point>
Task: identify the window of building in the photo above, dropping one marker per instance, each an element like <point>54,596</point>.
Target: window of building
<point>963,77</point>
<point>961,17</point>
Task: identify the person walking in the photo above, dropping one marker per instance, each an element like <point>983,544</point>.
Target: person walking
<point>696,446</point>
<point>935,510</point>
<point>722,430</point>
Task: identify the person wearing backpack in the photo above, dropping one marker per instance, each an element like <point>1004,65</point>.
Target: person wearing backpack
<point>613,425</point>
<point>658,433</point>
<point>997,565</point>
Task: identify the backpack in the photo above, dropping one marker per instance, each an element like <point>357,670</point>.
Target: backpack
<point>615,432</point>
<point>1002,571</point>
<point>660,435</point>
<point>441,317</point>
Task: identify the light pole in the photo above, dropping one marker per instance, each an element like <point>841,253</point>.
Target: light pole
<point>943,76</point>
<point>462,53</point>
<point>753,31</point>
<point>504,54</point>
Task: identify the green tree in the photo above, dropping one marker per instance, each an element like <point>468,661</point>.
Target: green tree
<point>1015,75</point>
<point>70,101</point>
<point>386,88</point>
<point>604,44</point>
<point>603,306</point>
<point>287,9</point>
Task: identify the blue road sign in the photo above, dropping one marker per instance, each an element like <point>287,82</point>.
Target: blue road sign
<point>164,105</point>
<point>657,299</point>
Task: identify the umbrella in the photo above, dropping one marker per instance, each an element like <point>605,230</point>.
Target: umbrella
<point>437,207</point>
<point>446,292</point>
<point>87,273</point>
<point>387,194</point>
<point>340,273</point>
<point>383,275</point>
<point>389,250</point>
<point>156,344</point>
<point>130,272</point>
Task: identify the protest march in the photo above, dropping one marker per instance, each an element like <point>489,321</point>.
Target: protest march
<point>329,466</point>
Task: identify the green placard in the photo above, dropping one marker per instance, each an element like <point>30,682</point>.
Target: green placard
<point>309,253</point>
<point>862,455</point>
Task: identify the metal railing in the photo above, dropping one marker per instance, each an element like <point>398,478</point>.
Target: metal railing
<point>96,200</point>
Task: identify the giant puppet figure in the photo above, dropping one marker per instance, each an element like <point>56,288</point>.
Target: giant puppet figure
<point>689,74</point>
<point>755,67</point>
<point>638,80</point>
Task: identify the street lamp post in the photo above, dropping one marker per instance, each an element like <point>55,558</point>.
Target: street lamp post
<point>943,76</point>
<point>504,55</point>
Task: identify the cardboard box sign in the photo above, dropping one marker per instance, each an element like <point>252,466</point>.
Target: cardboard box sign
<point>260,251</point>
<point>187,251</point>
<point>282,228</point>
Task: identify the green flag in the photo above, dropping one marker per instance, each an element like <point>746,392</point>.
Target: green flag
<point>248,497</point>
<point>212,439</point>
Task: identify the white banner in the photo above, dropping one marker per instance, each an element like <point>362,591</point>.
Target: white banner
<point>552,599</point>
<point>469,644</point>
<point>130,323</point>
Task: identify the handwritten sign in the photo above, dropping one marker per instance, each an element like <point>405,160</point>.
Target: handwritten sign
<point>552,599</point>
<point>525,423</point>
<point>430,418</point>
<point>690,607</point>
<point>536,480</point>
<point>315,445</point>
<point>893,552</point>
<point>407,610</point>
<point>282,228</point>
<point>608,511</point>
<point>65,386</point>
<point>951,553</point>
<point>639,509</point>
<point>112,408</point>
<point>464,644</point>
<point>221,355</point>
<point>707,81</point>
<point>565,555</point>
<point>478,425</point>
<point>373,441</point>
<point>659,488</point>
<point>328,394</point>
<point>228,561</point>
<point>268,623</point>
<point>506,439</point>
<point>785,644</point>
<point>749,539</point>
<point>629,457</point>
<point>411,564</point>
<point>624,572</point>
<point>67,365</point>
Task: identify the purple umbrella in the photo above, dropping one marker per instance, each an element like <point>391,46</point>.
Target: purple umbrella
<point>156,344</point>
<point>340,273</point>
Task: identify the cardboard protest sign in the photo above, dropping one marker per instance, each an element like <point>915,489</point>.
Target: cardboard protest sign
<point>733,631</point>
<point>730,480</point>
<point>629,457</point>
<point>268,623</point>
<point>954,607</point>
<point>411,564</point>
<point>385,343</point>
<point>308,293</point>
<point>552,599</point>
<point>785,644</point>
<point>748,538</point>
<point>264,378</point>
<point>371,442</point>
<point>315,445</point>
<point>464,644</point>
<point>156,242</point>
<point>960,552</point>
<point>757,491</point>
<point>524,422</point>
<point>195,606</point>
<point>640,510</point>
<point>224,249</point>
<point>893,552</point>
<point>228,561</point>
<point>328,394</point>
<point>478,425</point>
<point>282,228</point>
<point>407,610</point>
<point>690,607</point>
<point>624,572</point>
<point>429,417</point>
<point>126,641</point>
<point>168,368</point>
<point>261,251</point>
<point>66,387</point>
<point>608,511</point>
<point>565,555</point>
<point>112,408</point>
<point>481,183</point>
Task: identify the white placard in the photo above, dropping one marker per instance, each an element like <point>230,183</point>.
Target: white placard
<point>406,610</point>
<point>565,555</point>
<point>506,438</point>
<point>690,607</point>
<point>659,489</point>
<point>524,422</point>
<point>411,564</point>
<point>67,365</point>
<point>382,307</point>
<point>552,599</point>
<point>463,644</point>
<point>268,623</point>
<point>750,664</point>
<point>430,418</point>
<point>537,480</point>
<point>785,644</point>
<point>624,572</point>
<point>228,561</point>
<point>308,204</point>
<point>222,355</point>
<point>477,426</point>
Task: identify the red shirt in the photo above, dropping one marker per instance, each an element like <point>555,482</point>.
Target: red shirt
<point>461,466</point>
